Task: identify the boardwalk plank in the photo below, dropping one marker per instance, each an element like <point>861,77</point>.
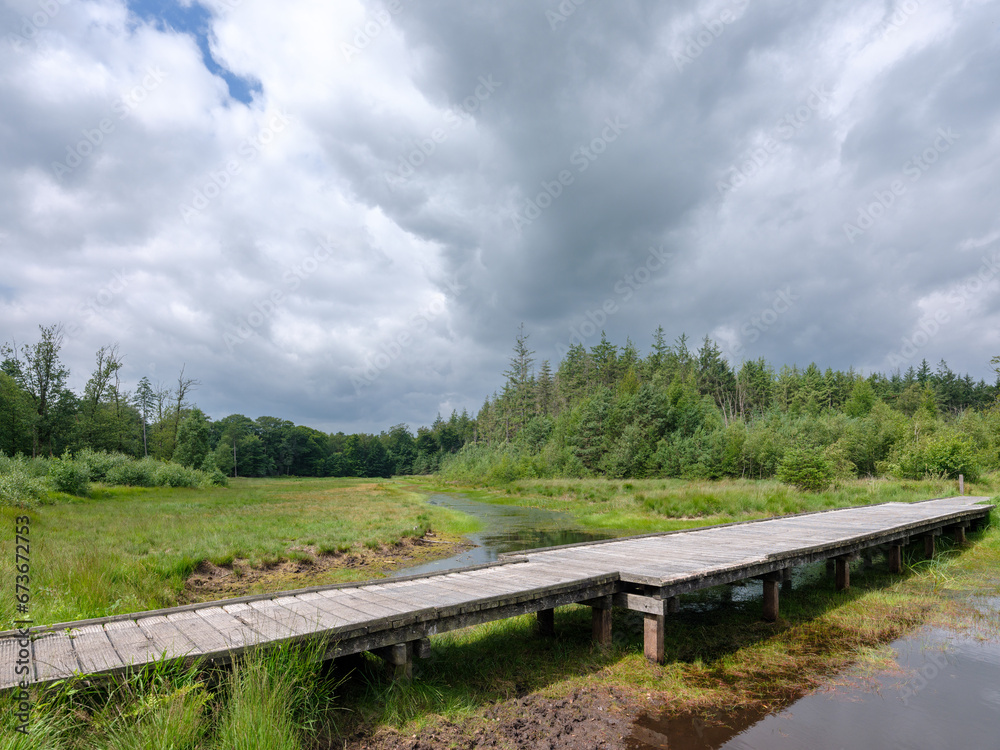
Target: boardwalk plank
<point>131,643</point>
<point>166,638</point>
<point>293,621</point>
<point>9,650</point>
<point>54,657</point>
<point>201,632</point>
<point>235,632</point>
<point>269,628</point>
<point>95,650</point>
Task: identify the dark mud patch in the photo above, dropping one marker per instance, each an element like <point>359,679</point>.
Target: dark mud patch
<point>211,582</point>
<point>597,718</point>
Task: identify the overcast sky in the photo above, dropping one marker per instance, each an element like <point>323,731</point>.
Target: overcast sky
<point>339,212</point>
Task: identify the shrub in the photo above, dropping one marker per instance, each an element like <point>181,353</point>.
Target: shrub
<point>807,470</point>
<point>175,475</point>
<point>133,473</point>
<point>19,487</point>
<point>69,476</point>
<point>946,455</point>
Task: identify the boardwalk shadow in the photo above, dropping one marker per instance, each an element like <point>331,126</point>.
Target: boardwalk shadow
<point>718,635</point>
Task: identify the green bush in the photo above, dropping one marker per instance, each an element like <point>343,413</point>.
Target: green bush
<point>19,486</point>
<point>69,476</point>
<point>175,475</point>
<point>132,472</point>
<point>807,470</point>
<point>943,455</point>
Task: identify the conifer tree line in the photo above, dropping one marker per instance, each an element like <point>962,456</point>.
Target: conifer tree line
<point>604,411</point>
<point>41,416</point>
<point>677,412</point>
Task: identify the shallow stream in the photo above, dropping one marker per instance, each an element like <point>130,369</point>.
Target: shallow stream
<point>506,528</point>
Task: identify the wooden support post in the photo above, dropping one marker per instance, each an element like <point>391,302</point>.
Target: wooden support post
<point>866,557</point>
<point>771,598</point>
<point>830,566</point>
<point>673,605</point>
<point>928,546</point>
<point>601,625</point>
<point>843,567</point>
<point>958,534</point>
<point>961,484</point>
<point>895,558</point>
<point>653,637</point>
<point>786,580</point>
<point>422,648</point>
<point>546,623</point>
<point>399,660</point>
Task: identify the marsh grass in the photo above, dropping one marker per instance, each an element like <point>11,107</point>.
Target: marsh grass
<point>127,549</point>
<point>720,654</point>
<point>278,699</point>
<point>643,505</point>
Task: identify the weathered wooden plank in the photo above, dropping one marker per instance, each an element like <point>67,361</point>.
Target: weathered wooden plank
<point>94,650</point>
<point>54,657</point>
<point>296,623</point>
<point>236,633</point>
<point>9,656</point>
<point>131,643</point>
<point>351,617</point>
<point>167,640</point>
<point>200,631</point>
<point>269,628</point>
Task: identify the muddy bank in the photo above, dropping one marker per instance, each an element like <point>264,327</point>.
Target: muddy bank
<point>591,718</point>
<point>211,582</point>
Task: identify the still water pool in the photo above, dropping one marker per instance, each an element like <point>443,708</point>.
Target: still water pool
<point>506,528</point>
<point>943,693</point>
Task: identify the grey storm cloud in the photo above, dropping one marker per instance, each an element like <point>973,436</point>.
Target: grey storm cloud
<point>356,244</point>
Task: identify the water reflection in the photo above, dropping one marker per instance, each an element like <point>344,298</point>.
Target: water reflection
<point>946,693</point>
<point>506,528</point>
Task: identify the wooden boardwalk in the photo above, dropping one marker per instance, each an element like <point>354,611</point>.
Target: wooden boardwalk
<point>395,617</point>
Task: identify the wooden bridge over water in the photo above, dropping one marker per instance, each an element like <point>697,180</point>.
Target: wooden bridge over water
<point>395,617</point>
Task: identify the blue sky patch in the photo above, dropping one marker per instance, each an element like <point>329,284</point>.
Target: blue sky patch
<point>195,20</point>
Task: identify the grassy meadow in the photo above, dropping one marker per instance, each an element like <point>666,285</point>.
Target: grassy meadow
<point>128,549</point>
<point>648,505</point>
